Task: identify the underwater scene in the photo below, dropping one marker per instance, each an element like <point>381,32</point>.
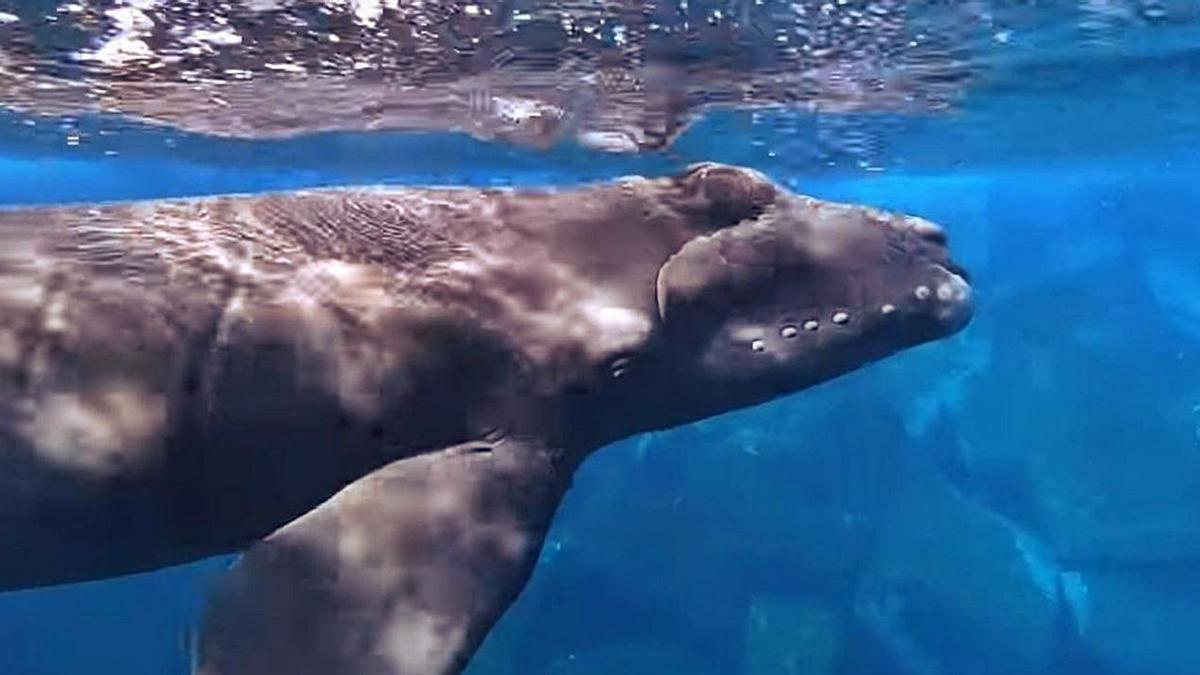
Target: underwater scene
<point>1016,495</point>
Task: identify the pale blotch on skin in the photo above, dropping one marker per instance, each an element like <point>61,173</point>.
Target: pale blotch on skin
<point>841,318</point>
<point>576,318</point>
<point>22,271</point>
<point>10,350</point>
<point>620,320</point>
<point>811,325</point>
<point>416,640</point>
<point>788,332</point>
<point>20,292</point>
<point>511,542</point>
<point>446,502</point>
<point>750,335</point>
<point>354,545</point>
<point>354,370</point>
<point>747,333</point>
<point>91,433</point>
<point>359,288</point>
<point>887,309</point>
<point>945,292</point>
<point>54,316</point>
<point>922,292</point>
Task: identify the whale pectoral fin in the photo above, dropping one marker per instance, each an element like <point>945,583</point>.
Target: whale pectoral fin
<point>403,572</point>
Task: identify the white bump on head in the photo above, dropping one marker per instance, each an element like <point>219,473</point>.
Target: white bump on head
<point>840,318</point>
<point>921,292</point>
<point>887,309</point>
<point>956,288</point>
<point>788,331</point>
<point>758,345</point>
<point>921,226</point>
<point>811,324</point>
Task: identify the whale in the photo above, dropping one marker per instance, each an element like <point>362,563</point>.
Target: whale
<point>378,396</point>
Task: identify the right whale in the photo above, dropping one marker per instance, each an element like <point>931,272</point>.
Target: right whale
<point>381,395</point>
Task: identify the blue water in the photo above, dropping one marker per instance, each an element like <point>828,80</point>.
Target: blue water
<point>1022,498</point>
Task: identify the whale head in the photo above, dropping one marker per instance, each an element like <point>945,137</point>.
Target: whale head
<point>790,291</point>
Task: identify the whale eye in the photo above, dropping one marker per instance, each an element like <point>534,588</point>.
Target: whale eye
<point>619,367</point>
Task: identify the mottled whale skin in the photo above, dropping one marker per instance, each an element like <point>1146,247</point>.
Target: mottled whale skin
<point>380,395</point>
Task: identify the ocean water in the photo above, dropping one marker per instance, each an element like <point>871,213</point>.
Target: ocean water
<point>1023,498</point>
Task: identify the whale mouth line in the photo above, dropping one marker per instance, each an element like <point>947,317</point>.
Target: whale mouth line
<point>951,267</point>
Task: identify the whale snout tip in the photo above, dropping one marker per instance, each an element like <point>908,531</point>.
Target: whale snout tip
<point>953,295</point>
<point>928,231</point>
